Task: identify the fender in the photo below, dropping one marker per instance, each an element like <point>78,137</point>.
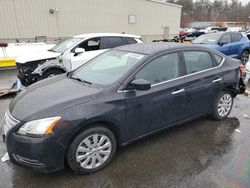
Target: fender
<point>53,63</point>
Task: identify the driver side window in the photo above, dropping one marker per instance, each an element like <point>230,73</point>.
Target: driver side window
<point>161,69</point>
<point>91,44</point>
<point>225,39</point>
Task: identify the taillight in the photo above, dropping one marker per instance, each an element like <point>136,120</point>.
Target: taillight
<point>242,70</point>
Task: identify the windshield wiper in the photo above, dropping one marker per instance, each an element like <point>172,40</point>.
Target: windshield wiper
<point>76,78</point>
<point>87,82</point>
<point>80,80</point>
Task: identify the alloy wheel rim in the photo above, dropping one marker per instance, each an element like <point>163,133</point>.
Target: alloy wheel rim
<point>93,151</point>
<point>245,57</point>
<point>224,105</point>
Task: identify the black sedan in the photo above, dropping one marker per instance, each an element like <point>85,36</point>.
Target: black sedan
<point>117,98</point>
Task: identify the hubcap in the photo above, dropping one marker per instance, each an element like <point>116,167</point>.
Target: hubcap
<point>93,151</point>
<point>224,105</point>
<point>245,57</point>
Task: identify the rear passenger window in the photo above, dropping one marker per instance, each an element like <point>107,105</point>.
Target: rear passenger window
<point>239,36</point>
<point>128,40</point>
<point>217,59</point>
<point>197,61</point>
<point>161,69</point>
<point>236,37</point>
<point>111,42</point>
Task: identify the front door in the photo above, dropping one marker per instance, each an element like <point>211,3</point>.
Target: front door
<point>225,45</point>
<point>162,105</point>
<point>92,49</point>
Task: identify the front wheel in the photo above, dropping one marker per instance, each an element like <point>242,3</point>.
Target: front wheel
<point>223,106</point>
<point>244,57</point>
<point>91,150</point>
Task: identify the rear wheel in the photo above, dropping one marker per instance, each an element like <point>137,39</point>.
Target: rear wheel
<point>244,57</point>
<point>91,150</point>
<point>223,106</point>
<point>52,72</point>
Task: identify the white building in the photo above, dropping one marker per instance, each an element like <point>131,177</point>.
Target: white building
<point>26,19</point>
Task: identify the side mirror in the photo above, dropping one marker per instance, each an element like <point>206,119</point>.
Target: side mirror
<point>140,84</point>
<point>221,43</point>
<point>79,51</point>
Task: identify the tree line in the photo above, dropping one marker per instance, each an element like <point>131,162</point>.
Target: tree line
<point>213,11</point>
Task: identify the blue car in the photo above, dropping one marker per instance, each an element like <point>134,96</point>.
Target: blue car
<point>232,44</point>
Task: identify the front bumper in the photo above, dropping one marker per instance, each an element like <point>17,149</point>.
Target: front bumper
<point>41,154</point>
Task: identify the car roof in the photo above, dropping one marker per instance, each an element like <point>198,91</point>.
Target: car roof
<point>221,33</point>
<point>90,35</point>
<point>156,47</point>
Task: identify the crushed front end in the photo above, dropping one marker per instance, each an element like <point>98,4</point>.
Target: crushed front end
<point>25,72</point>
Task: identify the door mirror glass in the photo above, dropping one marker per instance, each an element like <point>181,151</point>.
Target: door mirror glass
<point>79,51</point>
<point>140,84</point>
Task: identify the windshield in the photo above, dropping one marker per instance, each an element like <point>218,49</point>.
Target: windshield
<point>65,45</point>
<point>207,39</point>
<point>107,68</point>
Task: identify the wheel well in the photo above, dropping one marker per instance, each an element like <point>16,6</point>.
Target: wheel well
<point>232,91</point>
<point>108,125</point>
<point>54,68</point>
<point>246,49</point>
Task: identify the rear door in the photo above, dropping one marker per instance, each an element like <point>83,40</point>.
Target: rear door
<point>162,105</point>
<point>236,45</point>
<point>204,81</point>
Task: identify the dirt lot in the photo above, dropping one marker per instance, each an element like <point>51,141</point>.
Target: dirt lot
<point>202,153</point>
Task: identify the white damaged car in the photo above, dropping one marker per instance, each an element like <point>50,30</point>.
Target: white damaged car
<point>247,70</point>
<point>68,55</point>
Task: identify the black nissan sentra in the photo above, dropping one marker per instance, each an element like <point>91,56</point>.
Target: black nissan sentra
<point>117,98</point>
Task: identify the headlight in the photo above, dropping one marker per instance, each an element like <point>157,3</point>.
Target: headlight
<point>40,127</point>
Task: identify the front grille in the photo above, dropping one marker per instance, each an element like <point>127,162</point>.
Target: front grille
<point>9,122</point>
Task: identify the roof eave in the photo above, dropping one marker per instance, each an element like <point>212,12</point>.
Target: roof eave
<point>165,3</point>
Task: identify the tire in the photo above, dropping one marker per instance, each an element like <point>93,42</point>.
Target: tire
<point>222,106</point>
<point>244,57</point>
<point>86,149</point>
<point>52,72</point>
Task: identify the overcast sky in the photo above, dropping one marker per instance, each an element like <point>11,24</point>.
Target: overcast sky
<point>244,1</point>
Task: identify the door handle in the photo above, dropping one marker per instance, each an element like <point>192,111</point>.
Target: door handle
<point>217,80</point>
<point>178,91</point>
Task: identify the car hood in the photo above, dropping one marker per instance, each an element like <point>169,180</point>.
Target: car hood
<point>37,56</point>
<point>49,97</point>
